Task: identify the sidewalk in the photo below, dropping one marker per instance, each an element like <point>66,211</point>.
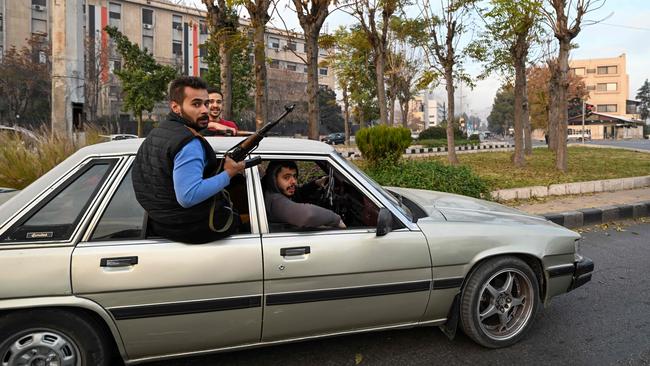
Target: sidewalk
<point>595,208</point>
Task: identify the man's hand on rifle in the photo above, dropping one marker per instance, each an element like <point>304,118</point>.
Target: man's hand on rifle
<point>232,167</point>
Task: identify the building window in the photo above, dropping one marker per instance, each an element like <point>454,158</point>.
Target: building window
<point>579,71</point>
<point>275,64</point>
<point>147,18</point>
<point>591,71</point>
<point>203,51</point>
<point>322,71</point>
<point>305,69</point>
<point>274,42</point>
<point>604,108</point>
<point>115,65</point>
<point>606,87</point>
<point>607,70</point>
<point>177,23</point>
<point>291,66</point>
<point>147,43</point>
<point>39,26</point>
<point>322,52</point>
<point>1,24</point>
<point>114,15</point>
<point>177,48</point>
<point>203,28</point>
<point>292,45</point>
<point>591,87</point>
<point>39,4</point>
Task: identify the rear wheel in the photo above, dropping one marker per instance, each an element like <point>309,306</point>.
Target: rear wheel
<point>499,302</point>
<point>51,337</point>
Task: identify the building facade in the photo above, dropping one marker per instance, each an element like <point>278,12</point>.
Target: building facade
<point>172,33</point>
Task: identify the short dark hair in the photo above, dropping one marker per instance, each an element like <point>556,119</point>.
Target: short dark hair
<point>177,87</point>
<point>212,89</point>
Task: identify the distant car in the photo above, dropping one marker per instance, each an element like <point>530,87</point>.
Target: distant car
<point>119,136</point>
<point>334,138</point>
<point>83,278</point>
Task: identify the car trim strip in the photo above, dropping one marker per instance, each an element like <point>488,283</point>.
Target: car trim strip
<point>561,270</point>
<point>186,307</point>
<point>447,283</point>
<point>347,293</point>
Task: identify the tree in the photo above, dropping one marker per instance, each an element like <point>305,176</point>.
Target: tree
<point>144,81</point>
<point>241,71</point>
<point>439,38</point>
<point>96,65</point>
<point>25,84</point>
<point>374,18</point>
<point>502,116</point>
<point>511,28</point>
<point>539,79</point>
<point>330,112</point>
<point>643,95</point>
<point>259,13</point>
<point>311,15</point>
<point>223,20</point>
<point>556,16</point>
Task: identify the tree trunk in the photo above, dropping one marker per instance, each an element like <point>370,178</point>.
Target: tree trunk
<point>561,157</point>
<point>404,108</point>
<point>225,64</point>
<point>391,111</point>
<point>261,93</point>
<point>311,47</point>
<point>346,115</point>
<point>553,111</point>
<point>381,89</point>
<point>362,118</point>
<point>451,145</point>
<point>139,116</point>
<point>520,89</point>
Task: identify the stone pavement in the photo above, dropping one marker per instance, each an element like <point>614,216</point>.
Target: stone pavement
<point>602,207</point>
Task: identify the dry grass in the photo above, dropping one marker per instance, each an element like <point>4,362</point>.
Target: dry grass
<point>23,159</point>
<point>585,164</point>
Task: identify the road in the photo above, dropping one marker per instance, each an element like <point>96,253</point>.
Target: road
<point>630,144</point>
<point>604,322</point>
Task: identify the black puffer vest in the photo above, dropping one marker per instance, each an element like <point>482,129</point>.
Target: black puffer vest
<point>153,174</point>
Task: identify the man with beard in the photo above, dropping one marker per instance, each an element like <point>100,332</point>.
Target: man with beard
<point>175,172</point>
<point>284,201</point>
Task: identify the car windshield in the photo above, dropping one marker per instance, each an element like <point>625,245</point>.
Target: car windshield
<point>386,194</point>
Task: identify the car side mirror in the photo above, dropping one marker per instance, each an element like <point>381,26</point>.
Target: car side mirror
<point>384,221</point>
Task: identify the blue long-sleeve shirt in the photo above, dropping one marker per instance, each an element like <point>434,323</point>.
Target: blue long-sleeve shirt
<point>189,185</point>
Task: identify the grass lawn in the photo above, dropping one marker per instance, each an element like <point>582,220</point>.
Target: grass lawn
<point>584,164</point>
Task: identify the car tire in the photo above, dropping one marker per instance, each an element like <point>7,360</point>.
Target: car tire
<point>499,302</point>
<point>36,336</point>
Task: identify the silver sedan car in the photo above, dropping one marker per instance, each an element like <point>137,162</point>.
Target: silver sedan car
<point>85,282</point>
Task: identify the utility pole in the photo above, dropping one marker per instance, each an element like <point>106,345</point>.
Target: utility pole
<point>67,66</point>
<point>583,121</point>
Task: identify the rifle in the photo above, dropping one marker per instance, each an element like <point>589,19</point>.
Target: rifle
<point>246,146</point>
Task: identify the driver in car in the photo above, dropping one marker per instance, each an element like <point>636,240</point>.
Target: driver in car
<point>284,199</point>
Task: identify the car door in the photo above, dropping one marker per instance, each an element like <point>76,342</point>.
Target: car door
<point>328,281</point>
<point>168,297</point>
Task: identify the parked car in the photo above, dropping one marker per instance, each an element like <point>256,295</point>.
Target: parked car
<point>85,279</point>
<point>118,136</point>
<point>334,138</point>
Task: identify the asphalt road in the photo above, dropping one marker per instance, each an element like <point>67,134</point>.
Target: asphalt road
<point>605,322</point>
<point>630,144</point>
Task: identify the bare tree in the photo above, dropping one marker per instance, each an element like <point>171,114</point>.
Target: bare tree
<point>94,82</point>
<point>557,16</point>
<point>366,11</point>
<point>442,34</point>
<point>259,13</point>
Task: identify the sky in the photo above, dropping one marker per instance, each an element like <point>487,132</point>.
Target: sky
<point>624,28</point>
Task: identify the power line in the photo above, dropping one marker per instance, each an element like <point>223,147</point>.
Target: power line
<point>626,26</point>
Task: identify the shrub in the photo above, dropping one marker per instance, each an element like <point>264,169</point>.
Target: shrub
<point>475,138</point>
<point>382,143</point>
<point>430,175</point>
<point>439,132</point>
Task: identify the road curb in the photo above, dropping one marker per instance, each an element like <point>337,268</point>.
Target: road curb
<point>600,215</point>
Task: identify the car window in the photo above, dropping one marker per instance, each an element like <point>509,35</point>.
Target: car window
<point>342,198</point>
<point>124,217</point>
<point>58,215</point>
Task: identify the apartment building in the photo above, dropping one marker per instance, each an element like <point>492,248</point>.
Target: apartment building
<point>425,111</point>
<point>172,33</point>
<point>608,84</point>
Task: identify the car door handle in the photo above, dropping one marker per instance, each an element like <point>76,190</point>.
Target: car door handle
<point>118,262</point>
<point>286,252</point>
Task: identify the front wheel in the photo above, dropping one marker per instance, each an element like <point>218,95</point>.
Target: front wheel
<point>499,302</point>
<point>51,337</point>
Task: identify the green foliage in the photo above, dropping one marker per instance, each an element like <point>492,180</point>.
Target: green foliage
<point>475,138</point>
<point>430,175</point>
<point>383,144</point>
<point>643,95</point>
<point>503,110</point>
<point>433,132</point>
<point>144,81</point>
<point>331,117</point>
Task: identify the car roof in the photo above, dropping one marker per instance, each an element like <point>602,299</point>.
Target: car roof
<point>219,144</point>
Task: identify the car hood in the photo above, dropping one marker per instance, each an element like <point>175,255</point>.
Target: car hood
<point>455,207</point>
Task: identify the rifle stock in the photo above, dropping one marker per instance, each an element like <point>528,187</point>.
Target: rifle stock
<point>243,148</point>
